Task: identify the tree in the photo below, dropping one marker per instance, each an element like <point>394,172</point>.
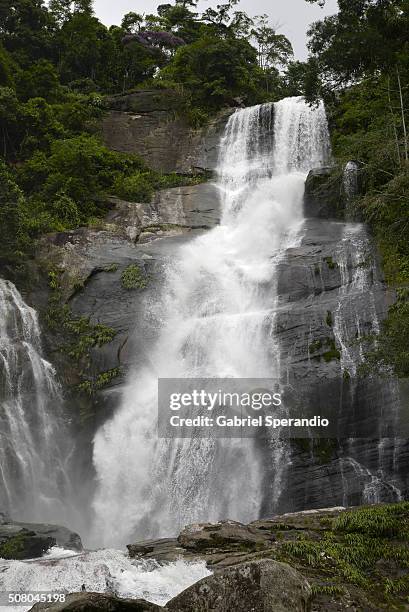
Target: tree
<point>25,27</point>
<point>215,71</point>
<point>132,22</point>
<point>60,10</point>
<point>41,80</point>
<point>6,69</point>
<point>11,217</point>
<point>274,49</point>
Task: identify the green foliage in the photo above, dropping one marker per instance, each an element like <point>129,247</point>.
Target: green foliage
<point>14,548</point>
<point>6,69</point>
<point>215,72</point>
<point>56,63</point>
<point>330,263</point>
<point>12,220</point>
<point>351,549</point>
<point>140,186</point>
<point>137,187</point>
<point>133,278</point>
<point>367,97</point>
<point>317,348</point>
<point>391,521</point>
<point>40,80</point>
<point>104,379</point>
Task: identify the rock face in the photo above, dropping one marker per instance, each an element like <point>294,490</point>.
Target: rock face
<point>323,195</point>
<point>148,123</point>
<point>84,602</point>
<point>332,302</point>
<point>323,548</point>
<point>260,585</point>
<point>29,540</point>
<point>196,206</point>
<point>90,264</point>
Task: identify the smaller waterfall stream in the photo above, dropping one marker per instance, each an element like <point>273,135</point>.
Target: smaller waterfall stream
<point>33,440</point>
<point>357,303</point>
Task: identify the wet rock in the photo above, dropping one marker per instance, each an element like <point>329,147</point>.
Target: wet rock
<point>20,540</point>
<point>331,290</point>
<point>323,191</point>
<point>194,206</point>
<point>260,585</point>
<point>85,602</point>
<point>200,537</point>
<point>20,543</point>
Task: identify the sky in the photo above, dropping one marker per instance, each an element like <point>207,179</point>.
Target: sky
<point>292,16</point>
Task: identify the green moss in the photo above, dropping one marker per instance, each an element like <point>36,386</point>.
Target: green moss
<point>111,268</point>
<point>315,346</point>
<point>80,336</point>
<point>133,278</point>
<point>333,353</point>
<point>330,263</point>
<point>14,547</point>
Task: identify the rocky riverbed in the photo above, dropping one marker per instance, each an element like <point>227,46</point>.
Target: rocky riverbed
<point>325,560</point>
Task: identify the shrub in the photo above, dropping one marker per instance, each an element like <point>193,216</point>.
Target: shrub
<point>132,278</point>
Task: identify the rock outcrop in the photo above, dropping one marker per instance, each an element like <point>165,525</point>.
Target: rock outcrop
<point>30,540</point>
<point>259,585</point>
<point>332,300</point>
<point>86,602</point>
<point>323,194</point>
<point>150,124</point>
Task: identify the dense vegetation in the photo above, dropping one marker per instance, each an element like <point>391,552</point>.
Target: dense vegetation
<point>58,62</point>
<point>359,63</point>
<point>360,556</point>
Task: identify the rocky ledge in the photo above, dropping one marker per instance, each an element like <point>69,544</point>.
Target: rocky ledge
<point>327,560</point>
<point>30,540</point>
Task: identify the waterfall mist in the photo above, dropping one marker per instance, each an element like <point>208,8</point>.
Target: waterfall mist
<point>217,319</point>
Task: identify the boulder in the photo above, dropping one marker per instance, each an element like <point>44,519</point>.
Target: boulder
<point>264,585</point>
<point>18,543</point>
<point>29,540</point>
<point>85,602</point>
<point>221,535</point>
<point>323,194</point>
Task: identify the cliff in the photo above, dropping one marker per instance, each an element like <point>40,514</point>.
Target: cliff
<point>94,284</point>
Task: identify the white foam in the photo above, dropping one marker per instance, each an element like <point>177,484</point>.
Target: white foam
<point>100,571</point>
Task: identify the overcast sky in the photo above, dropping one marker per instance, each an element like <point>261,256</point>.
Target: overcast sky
<point>293,16</point>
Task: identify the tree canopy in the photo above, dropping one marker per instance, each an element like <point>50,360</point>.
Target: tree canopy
<point>58,61</point>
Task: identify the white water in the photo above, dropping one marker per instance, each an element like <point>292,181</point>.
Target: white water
<point>100,571</point>
<point>217,320</point>
<point>33,440</point>
<point>357,304</point>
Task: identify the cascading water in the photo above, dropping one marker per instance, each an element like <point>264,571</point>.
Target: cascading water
<point>33,481</point>
<point>217,320</point>
<point>357,303</point>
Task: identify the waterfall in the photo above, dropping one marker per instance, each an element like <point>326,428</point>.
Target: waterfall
<point>216,319</point>
<point>357,304</point>
<point>33,480</point>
